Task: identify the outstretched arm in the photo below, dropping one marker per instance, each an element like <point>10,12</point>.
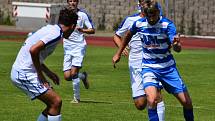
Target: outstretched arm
<point>118,41</point>
<point>87,31</point>
<point>116,57</point>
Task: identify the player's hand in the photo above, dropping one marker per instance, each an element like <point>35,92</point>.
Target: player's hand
<point>125,52</point>
<point>176,43</point>
<point>176,39</point>
<point>80,29</point>
<point>115,59</point>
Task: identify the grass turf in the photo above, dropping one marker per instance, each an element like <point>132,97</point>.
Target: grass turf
<point>109,96</point>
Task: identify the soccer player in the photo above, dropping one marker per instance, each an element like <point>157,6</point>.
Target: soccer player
<point>158,35</point>
<point>28,69</point>
<point>74,50</point>
<point>135,60</point>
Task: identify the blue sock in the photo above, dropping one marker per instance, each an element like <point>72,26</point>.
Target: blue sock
<point>153,115</point>
<point>188,114</point>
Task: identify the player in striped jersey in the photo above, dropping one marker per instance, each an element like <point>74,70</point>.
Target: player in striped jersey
<point>135,61</point>
<point>75,49</point>
<point>28,69</point>
<point>158,35</point>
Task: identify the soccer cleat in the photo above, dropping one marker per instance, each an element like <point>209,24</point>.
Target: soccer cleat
<point>85,80</point>
<point>75,100</point>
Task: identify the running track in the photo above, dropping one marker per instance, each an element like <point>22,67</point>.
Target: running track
<point>108,41</point>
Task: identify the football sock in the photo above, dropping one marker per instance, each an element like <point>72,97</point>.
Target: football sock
<point>81,75</point>
<point>188,114</point>
<point>54,118</point>
<point>76,88</point>
<point>152,114</point>
<point>161,111</point>
<point>42,117</point>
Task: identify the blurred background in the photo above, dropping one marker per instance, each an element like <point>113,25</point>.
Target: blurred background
<point>192,17</point>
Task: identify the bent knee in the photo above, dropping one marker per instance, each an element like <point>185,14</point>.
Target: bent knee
<point>57,102</point>
<point>70,77</point>
<point>140,103</point>
<point>140,106</point>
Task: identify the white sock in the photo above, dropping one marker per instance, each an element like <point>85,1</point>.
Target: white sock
<point>76,88</point>
<point>161,111</point>
<point>42,118</point>
<point>81,76</point>
<point>54,118</point>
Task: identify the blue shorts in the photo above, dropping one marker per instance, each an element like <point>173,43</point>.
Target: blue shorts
<point>169,77</point>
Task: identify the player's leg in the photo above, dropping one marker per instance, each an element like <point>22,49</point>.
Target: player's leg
<point>53,103</point>
<point>138,93</point>
<point>175,85</point>
<point>76,84</point>
<point>30,85</point>
<point>151,86</point>
<point>186,102</point>
<point>160,104</point>
<point>71,74</point>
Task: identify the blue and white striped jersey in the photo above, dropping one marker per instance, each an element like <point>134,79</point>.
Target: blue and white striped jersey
<point>77,37</point>
<point>156,41</point>
<point>135,45</point>
<point>50,35</point>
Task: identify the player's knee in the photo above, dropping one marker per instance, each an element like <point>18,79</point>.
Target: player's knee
<point>70,77</point>
<point>187,104</point>
<point>152,102</point>
<point>140,106</point>
<point>57,102</point>
<point>140,103</point>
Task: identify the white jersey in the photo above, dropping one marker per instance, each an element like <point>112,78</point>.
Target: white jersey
<point>50,35</point>
<point>135,45</point>
<point>77,37</point>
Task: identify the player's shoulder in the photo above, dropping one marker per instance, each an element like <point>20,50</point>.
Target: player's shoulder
<point>82,11</point>
<point>133,16</point>
<point>165,19</point>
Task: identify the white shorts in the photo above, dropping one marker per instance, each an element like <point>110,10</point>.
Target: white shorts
<point>28,83</point>
<point>136,82</point>
<point>73,57</point>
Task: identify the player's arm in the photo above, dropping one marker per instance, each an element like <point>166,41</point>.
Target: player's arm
<point>89,25</point>
<point>118,41</point>
<point>35,55</point>
<point>117,56</point>
<point>174,38</point>
<point>50,74</point>
<point>87,31</point>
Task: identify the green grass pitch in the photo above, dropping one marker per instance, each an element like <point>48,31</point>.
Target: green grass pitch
<point>109,96</point>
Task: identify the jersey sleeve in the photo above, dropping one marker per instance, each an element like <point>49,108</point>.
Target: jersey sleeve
<point>88,21</point>
<point>133,28</point>
<point>171,31</point>
<point>125,25</point>
<point>51,37</point>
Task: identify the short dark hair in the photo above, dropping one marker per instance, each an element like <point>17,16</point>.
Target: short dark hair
<point>151,7</point>
<point>68,1</point>
<point>68,17</point>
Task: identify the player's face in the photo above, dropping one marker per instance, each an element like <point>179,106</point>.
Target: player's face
<point>73,4</point>
<point>153,17</point>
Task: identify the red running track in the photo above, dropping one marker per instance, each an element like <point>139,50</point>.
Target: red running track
<point>108,41</point>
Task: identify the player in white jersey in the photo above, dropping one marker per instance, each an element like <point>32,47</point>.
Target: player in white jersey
<point>135,61</point>
<point>75,49</point>
<point>28,69</point>
<point>158,35</point>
